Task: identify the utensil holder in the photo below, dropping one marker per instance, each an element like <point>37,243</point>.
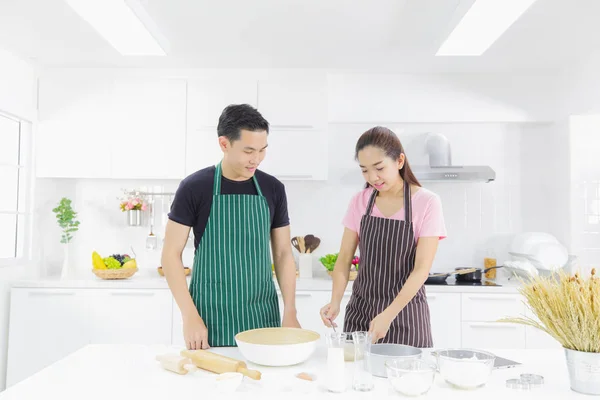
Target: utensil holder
<point>305,266</point>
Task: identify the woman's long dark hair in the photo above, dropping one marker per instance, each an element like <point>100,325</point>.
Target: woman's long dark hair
<point>386,140</point>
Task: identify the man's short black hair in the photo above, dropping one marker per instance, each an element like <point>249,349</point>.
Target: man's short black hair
<point>236,117</point>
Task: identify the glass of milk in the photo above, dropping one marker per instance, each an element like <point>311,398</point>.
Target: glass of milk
<point>336,377</point>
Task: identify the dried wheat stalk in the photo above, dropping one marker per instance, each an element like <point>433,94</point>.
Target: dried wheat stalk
<point>568,309</point>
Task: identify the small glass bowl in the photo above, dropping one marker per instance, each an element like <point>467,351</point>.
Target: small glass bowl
<point>412,377</point>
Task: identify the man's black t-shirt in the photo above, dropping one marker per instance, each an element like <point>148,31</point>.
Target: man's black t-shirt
<point>193,199</point>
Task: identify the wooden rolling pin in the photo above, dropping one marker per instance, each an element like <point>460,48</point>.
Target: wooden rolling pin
<point>176,363</point>
<point>219,364</point>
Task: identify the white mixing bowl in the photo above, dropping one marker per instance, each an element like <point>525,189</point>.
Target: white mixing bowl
<point>277,347</point>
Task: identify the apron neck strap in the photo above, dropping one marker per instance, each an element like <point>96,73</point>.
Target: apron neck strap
<point>407,203</point>
<point>371,202</point>
<point>217,181</point>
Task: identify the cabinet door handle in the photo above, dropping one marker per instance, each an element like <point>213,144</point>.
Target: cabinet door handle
<point>50,293</point>
<point>485,298</point>
<point>492,325</point>
<point>303,294</point>
<point>139,294</point>
<point>293,176</point>
<point>291,127</point>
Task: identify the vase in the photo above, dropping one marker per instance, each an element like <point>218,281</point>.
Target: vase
<point>584,371</point>
<point>134,217</point>
<point>65,272</point>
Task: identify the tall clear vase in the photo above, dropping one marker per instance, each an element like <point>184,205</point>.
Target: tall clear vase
<point>65,272</point>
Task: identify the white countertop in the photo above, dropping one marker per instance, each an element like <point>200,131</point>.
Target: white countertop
<point>154,281</point>
<point>131,372</point>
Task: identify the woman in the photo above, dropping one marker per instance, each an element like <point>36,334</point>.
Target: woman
<point>397,224</point>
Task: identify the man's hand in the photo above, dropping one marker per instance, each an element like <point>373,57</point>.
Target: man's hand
<point>290,320</point>
<point>195,332</point>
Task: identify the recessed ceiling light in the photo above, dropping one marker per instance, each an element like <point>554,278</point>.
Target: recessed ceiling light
<point>482,25</point>
<point>124,24</point>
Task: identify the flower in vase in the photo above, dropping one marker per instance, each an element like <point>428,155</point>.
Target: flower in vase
<point>133,203</point>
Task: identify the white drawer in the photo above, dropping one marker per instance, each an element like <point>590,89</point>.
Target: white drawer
<point>537,339</point>
<point>444,309</point>
<point>492,335</point>
<point>491,307</point>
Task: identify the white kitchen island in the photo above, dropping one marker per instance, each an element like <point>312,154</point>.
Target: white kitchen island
<point>131,372</point>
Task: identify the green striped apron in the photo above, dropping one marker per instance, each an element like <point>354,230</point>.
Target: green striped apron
<point>232,283</point>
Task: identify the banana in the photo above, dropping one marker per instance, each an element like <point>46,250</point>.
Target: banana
<point>97,261</point>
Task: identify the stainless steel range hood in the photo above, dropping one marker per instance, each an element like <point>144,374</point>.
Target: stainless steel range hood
<point>440,166</point>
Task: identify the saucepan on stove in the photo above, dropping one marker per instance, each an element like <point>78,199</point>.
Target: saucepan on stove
<point>474,276</point>
<point>440,278</point>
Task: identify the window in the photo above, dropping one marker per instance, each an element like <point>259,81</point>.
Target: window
<point>14,187</point>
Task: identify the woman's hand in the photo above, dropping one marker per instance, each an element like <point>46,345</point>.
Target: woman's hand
<point>329,313</point>
<point>380,325</point>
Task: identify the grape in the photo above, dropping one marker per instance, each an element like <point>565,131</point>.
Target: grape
<point>112,263</point>
<point>119,258</point>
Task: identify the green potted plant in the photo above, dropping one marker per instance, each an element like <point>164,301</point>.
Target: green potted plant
<point>66,218</point>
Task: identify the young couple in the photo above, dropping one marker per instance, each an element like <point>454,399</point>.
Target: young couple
<point>239,214</point>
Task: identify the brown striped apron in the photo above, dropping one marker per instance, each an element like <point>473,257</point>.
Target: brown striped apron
<point>387,258</point>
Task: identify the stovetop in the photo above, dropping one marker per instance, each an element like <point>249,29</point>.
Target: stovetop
<point>449,282</point>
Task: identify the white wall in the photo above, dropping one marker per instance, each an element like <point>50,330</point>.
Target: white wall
<point>18,87</point>
<point>488,120</point>
<point>17,97</point>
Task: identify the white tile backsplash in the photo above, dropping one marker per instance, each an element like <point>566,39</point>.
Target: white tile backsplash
<point>480,217</point>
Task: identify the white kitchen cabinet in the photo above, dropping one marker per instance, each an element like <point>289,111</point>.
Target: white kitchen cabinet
<point>480,313</point>
<point>491,307</point>
<point>444,309</point>
<point>537,339</point>
<point>206,99</point>
<point>45,326</point>
<point>296,154</point>
<point>101,126</point>
<point>75,128</point>
<point>294,101</point>
<point>176,326</point>
<point>208,96</point>
<point>137,316</point>
<point>308,304</point>
<point>492,335</point>
<point>149,136</point>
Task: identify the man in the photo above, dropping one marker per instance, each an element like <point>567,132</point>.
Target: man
<point>235,210</point>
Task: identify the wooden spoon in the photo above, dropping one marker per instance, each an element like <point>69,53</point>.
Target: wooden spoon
<point>295,243</point>
<point>301,244</point>
<point>312,242</point>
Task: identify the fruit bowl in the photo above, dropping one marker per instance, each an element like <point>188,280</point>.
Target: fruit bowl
<point>122,273</point>
<point>116,266</point>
